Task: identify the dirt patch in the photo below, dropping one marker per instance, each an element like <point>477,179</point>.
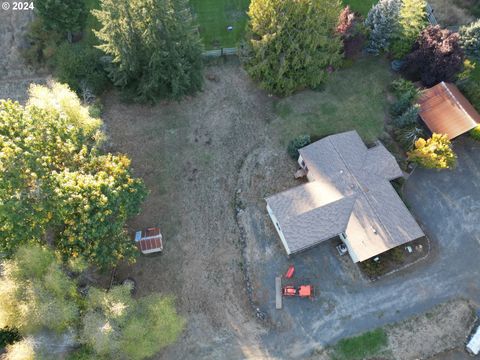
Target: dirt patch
<point>189,153</point>
<point>443,328</point>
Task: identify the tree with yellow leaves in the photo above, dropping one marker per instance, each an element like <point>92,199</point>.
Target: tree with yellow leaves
<point>433,153</point>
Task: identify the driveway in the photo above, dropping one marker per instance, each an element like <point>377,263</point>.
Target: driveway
<point>446,204</point>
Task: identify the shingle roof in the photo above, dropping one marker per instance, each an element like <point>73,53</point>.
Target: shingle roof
<point>349,193</point>
<point>445,110</point>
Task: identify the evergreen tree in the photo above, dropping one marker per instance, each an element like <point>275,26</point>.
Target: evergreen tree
<point>470,39</point>
<point>63,16</point>
<point>57,186</point>
<point>382,21</point>
<point>433,153</point>
<point>154,46</point>
<point>292,44</point>
<point>412,20</point>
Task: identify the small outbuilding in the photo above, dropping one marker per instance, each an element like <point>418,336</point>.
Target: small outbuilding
<point>149,240</point>
<point>445,110</point>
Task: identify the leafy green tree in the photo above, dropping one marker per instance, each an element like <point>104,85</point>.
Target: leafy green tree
<point>412,20</point>
<point>470,39</point>
<point>63,16</point>
<point>154,46</point>
<point>56,186</point>
<point>433,153</point>
<point>382,22</point>
<point>292,44</point>
<point>40,300</point>
<point>116,326</point>
<point>35,294</point>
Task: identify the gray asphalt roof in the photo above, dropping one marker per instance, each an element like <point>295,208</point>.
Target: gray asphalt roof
<point>349,192</point>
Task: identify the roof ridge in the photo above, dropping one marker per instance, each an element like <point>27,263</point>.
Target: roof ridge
<point>361,189</point>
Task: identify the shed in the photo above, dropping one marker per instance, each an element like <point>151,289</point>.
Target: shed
<point>445,110</point>
<point>149,240</point>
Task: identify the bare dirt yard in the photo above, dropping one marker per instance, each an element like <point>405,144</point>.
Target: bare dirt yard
<point>190,154</point>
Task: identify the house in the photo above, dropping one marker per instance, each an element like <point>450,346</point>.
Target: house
<point>349,195</point>
<point>445,110</point>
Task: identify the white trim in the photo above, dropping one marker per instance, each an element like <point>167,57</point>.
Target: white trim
<point>279,231</point>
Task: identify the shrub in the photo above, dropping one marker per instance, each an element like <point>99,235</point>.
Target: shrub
<point>436,56</point>
<point>408,135</point>
<point>412,20</point>
<point>471,90</point>
<point>409,117</point>
<point>401,105</point>
<point>297,143</point>
<point>401,87</point>
<point>372,268</point>
<point>397,255</point>
<point>346,22</point>
<point>475,133</point>
<point>8,336</point>
<point>62,16</point>
<point>382,21</point>
<point>79,66</point>
<point>470,39</point>
<point>434,153</point>
<point>42,44</point>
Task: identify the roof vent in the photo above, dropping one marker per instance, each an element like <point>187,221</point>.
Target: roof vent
<point>374,230</point>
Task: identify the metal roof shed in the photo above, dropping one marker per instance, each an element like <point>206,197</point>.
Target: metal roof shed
<point>149,240</point>
<point>445,110</point>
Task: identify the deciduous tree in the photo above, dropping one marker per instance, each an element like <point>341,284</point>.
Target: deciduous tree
<point>57,186</point>
<point>435,153</point>
<point>154,46</point>
<point>292,44</point>
<point>116,326</point>
<point>436,56</point>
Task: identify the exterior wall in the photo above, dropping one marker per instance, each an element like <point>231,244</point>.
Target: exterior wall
<point>278,228</point>
<point>351,253</point>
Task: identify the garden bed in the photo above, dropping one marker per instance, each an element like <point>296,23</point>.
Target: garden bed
<point>395,259</point>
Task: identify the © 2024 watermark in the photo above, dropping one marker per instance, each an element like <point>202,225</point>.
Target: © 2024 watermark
<point>17,5</point>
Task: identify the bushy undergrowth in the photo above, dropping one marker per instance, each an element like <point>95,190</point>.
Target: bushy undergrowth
<point>79,66</point>
<point>297,143</point>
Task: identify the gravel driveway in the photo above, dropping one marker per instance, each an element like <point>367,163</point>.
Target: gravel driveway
<point>446,204</point>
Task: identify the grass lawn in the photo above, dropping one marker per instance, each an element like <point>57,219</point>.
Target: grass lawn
<point>353,98</point>
<point>361,6</point>
<point>361,347</point>
<point>214,16</point>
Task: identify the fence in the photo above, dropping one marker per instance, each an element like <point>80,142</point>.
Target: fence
<point>220,52</point>
<point>431,18</point>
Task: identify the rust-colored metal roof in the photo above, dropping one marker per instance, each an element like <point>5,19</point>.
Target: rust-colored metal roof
<point>445,110</point>
<point>149,240</point>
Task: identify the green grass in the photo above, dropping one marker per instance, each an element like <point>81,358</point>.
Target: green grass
<point>360,6</point>
<point>214,16</point>
<point>361,347</point>
<point>353,98</point>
